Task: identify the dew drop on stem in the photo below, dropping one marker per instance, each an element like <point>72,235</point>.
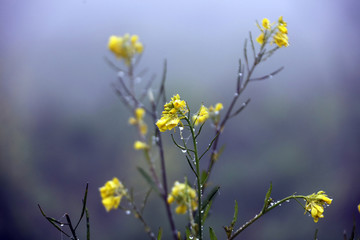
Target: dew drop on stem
<point>121,74</point>
<point>127,212</point>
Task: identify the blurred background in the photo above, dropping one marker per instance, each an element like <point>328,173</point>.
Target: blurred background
<point>62,125</point>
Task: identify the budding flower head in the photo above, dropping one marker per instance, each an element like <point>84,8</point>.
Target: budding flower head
<point>173,112</point>
<point>214,112</point>
<point>111,194</point>
<point>184,196</point>
<point>315,204</point>
<point>201,116</point>
<point>125,47</point>
<point>278,33</point>
<point>139,114</point>
<point>138,145</point>
<point>266,24</point>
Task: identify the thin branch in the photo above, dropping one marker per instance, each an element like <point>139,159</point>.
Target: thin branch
<point>51,220</point>
<point>147,87</point>
<point>243,106</point>
<point>208,148</point>
<point>268,76</point>
<point>162,85</point>
<point>113,66</point>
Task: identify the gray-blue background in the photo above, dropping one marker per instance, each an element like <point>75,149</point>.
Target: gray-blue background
<point>63,126</point>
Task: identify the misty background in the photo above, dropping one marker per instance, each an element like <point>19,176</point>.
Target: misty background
<point>62,125</point>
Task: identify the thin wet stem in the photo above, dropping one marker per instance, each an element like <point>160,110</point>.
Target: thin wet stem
<point>163,172</point>
<point>198,180</point>
<point>262,212</point>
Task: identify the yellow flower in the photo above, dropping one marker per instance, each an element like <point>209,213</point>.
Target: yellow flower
<point>184,196</point>
<point>111,194</point>
<point>359,208</point>
<point>278,33</point>
<point>202,115</point>
<point>282,29</point>
<point>260,38</point>
<point>125,47</point>
<point>266,24</point>
<point>315,204</point>
<point>281,21</point>
<point>214,112</point>
<point>281,39</point>
<point>173,112</point>
<point>181,209</point>
<point>139,114</point>
<point>138,145</point>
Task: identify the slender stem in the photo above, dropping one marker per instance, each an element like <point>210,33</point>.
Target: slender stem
<point>220,128</point>
<point>152,169</point>
<point>199,187</point>
<point>262,212</point>
<point>139,216</point>
<point>163,171</point>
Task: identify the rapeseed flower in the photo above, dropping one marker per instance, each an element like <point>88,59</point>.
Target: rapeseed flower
<point>112,193</point>
<point>315,204</point>
<point>138,145</point>
<point>266,24</point>
<point>184,196</point>
<point>125,47</point>
<point>201,116</point>
<point>138,120</point>
<point>214,112</point>
<point>173,112</point>
<point>278,33</point>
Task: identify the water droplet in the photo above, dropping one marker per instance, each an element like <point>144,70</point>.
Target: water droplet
<point>270,76</point>
<point>184,150</point>
<point>127,212</point>
<point>236,94</point>
<point>61,225</point>
<point>191,237</point>
<point>240,74</point>
<point>181,128</point>
<point>288,200</point>
<point>121,74</point>
<point>138,80</point>
<point>202,211</point>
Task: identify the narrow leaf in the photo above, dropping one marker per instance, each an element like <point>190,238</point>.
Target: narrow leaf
<point>204,176</point>
<point>267,197</point>
<point>87,224</point>
<point>84,206</point>
<point>212,234</point>
<point>206,211</point>
<point>159,234</point>
<point>235,214</point>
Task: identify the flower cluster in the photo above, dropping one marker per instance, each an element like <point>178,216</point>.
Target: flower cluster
<point>125,47</point>
<point>173,112</point>
<point>214,112</point>
<point>138,120</point>
<point>315,204</point>
<point>201,116</point>
<point>111,194</point>
<point>279,32</point>
<point>184,196</point>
